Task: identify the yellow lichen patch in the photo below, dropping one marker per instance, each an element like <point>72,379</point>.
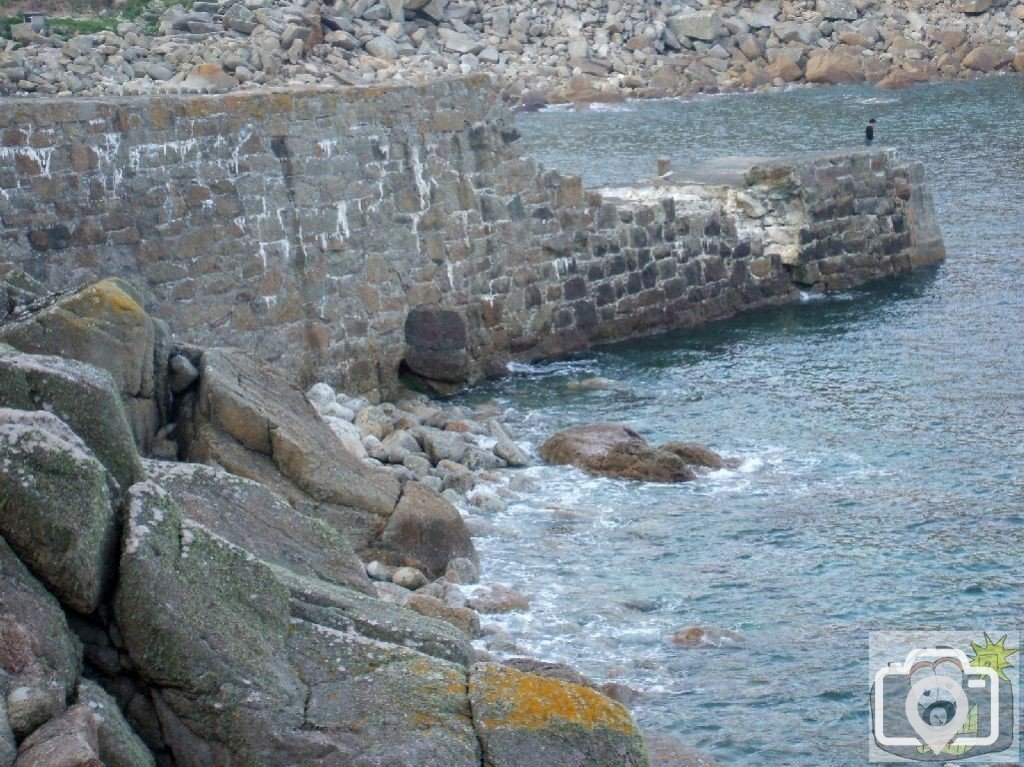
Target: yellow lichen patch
<point>509,698</point>
<point>106,294</point>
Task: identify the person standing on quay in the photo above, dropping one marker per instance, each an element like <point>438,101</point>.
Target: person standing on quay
<point>869,132</point>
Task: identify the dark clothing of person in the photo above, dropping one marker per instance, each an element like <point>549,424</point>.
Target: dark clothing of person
<point>869,134</point>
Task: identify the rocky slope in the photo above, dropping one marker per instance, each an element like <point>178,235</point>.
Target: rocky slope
<point>172,612</point>
<point>580,50</point>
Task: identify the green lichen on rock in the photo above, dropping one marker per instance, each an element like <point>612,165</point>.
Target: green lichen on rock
<point>260,521</point>
<point>82,396</point>
<point>55,506</point>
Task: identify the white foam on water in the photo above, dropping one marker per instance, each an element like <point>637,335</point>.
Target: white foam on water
<point>614,107</point>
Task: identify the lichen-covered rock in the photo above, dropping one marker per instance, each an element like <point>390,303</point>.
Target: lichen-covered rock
<point>70,740</point>
<point>250,663</point>
<point>56,509</point>
<point>251,516</point>
<point>613,450</point>
<point>119,746</point>
<point>103,325</point>
<point>524,720</point>
<point>342,609</point>
<point>260,409</point>
<point>40,658</point>
<point>81,395</point>
<point>426,526</point>
<point>206,625</point>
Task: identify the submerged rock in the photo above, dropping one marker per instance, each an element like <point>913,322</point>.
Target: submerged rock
<point>701,636</point>
<point>614,450</point>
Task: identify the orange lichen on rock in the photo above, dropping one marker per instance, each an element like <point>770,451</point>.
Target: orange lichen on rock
<point>527,701</point>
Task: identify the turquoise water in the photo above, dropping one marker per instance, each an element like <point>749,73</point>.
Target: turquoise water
<point>881,432</point>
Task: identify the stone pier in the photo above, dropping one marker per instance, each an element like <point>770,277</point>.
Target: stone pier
<point>341,232</point>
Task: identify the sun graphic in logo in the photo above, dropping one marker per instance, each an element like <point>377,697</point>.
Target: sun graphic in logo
<point>992,655</point>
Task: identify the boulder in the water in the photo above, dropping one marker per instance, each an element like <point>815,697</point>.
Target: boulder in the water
<point>614,450</point>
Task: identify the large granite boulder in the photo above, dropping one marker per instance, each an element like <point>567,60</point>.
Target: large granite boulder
<point>614,450</point>
<point>250,664</point>
<point>437,341</point>
<point>834,67</point>
<point>525,720</point>
<point>83,396</point>
<point>56,511</point>
<point>265,413</point>
<point>104,325</point>
<point>426,526</point>
<point>206,626</point>
<point>258,520</point>
<point>40,658</point>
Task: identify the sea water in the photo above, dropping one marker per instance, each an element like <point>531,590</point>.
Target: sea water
<point>880,433</point>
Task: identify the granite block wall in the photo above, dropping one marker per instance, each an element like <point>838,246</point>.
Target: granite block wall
<point>305,225</point>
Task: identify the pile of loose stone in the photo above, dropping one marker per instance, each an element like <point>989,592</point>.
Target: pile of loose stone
<point>451,449</point>
<point>580,50</point>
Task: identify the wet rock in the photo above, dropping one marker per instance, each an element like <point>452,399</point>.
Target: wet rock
<point>614,450</point>
<point>695,454</point>
<point>505,447</point>
<point>424,525</point>
<point>456,476</point>
<point>702,636</point>
<point>496,598</point>
<point>57,512</point>
<point>666,751</point>
<point>487,501</point>
<point>462,570</point>
<point>525,720</point>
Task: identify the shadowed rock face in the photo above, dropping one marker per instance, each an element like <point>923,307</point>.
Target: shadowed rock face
<point>613,450</point>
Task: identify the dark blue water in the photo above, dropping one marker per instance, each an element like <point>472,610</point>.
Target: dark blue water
<point>881,432</point>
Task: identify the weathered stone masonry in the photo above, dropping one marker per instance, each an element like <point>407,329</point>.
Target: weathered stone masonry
<point>305,225</point>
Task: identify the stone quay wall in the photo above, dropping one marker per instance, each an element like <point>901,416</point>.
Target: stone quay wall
<point>338,232</point>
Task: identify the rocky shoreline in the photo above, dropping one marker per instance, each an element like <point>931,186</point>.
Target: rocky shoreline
<point>201,565</point>
<point>567,50</point>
